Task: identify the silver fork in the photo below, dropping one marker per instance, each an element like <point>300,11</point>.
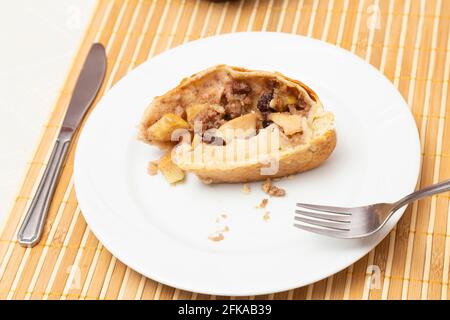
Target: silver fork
<point>356,222</point>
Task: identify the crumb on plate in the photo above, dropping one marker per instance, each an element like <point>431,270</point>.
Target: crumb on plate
<point>216,237</point>
<point>266,216</point>
<point>263,204</point>
<point>152,168</point>
<point>246,188</point>
<point>272,190</point>
<point>222,216</point>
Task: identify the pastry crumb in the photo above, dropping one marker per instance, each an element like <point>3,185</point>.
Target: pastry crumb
<point>290,177</point>
<point>246,188</point>
<point>263,204</point>
<point>272,190</point>
<point>221,216</point>
<point>266,216</point>
<point>152,168</point>
<point>216,237</point>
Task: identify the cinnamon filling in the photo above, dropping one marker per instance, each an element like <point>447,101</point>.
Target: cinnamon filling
<point>220,101</point>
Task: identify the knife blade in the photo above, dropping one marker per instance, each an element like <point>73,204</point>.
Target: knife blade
<point>86,89</point>
<point>87,86</point>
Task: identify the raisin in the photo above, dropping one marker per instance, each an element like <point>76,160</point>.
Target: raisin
<point>214,140</point>
<point>223,100</point>
<point>266,123</point>
<point>240,87</point>
<point>264,101</point>
<point>217,141</point>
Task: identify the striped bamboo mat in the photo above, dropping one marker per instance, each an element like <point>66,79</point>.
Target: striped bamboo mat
<point>409,41</point>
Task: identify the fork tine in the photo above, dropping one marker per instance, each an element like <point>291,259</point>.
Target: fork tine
<point>337,210</point>
<point>326,216</point>
<point>342,226</point>
<point>326,232</point>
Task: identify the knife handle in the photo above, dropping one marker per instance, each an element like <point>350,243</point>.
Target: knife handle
<point>31,230</point>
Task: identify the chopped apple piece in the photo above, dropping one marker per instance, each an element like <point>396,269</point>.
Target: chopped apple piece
<point>171,172</point>
<point>290,100</point>
<point>241,127</point>
<point>290,123</point>
<point>193,110</point>
<point>162,129</point>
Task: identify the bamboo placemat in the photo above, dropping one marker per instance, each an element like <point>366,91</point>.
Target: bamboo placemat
<point>409,41</point>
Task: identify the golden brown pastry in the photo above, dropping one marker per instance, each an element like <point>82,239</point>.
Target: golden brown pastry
<point>229,124</point>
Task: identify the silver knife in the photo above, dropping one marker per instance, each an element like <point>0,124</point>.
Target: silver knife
<point>86,89</point>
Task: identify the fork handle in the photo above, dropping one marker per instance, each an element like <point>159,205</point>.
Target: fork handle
<point>427,191</point>
<point>31,229</point>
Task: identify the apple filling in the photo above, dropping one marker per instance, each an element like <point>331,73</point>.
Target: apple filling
<point>220,108</point>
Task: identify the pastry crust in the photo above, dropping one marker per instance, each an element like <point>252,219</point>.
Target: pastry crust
<point>295,153</point>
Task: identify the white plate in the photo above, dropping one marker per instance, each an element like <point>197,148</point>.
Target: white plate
<point>162,231</point>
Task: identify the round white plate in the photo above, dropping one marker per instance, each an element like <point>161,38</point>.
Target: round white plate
<point>162,231</point>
